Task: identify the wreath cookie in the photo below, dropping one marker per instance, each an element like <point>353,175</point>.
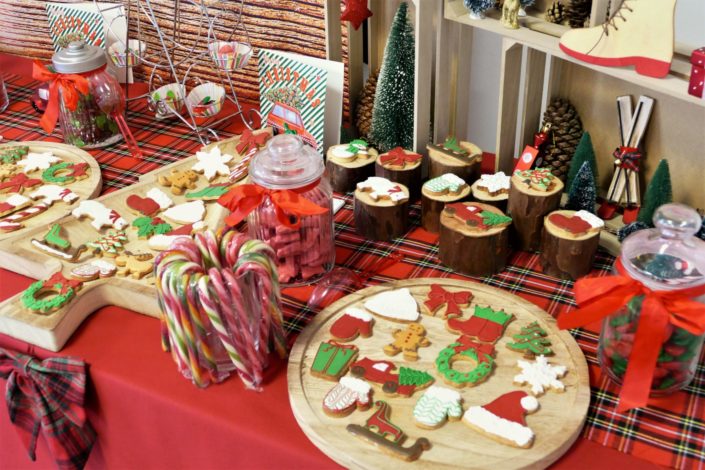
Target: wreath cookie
<point>466,349</point>
<point>64,290</point>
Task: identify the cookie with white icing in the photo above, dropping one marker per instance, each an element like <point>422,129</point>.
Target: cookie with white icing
<point>445,184</point>
<point>347,395</point>
<point>495,184</point>
<point>503,419</point>
<point>212,163</point>
<point>436,406</point>
<point>378,188</point>
<point>540,375</point>
<point>186,213</point>
<point>396,305</point>
<point>37,161</point>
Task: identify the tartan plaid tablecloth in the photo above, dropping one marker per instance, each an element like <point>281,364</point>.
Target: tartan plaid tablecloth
<point>670,432</point>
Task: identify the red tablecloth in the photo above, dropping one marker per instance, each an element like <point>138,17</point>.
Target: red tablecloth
<point>147,416</point>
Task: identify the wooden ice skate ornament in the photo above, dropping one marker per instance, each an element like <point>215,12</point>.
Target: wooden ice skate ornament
<point>569,243</point>
<point>460,158</point>
<point>492,189</point>
<point>473,238</point>
<point>349,164</point>
<point>52,193</point>
<point>533,194</point>
<point>431,411</point>
<point>72,247</point>
<point>435,193</point>
<point>381,209</point>
<point>403,167</point>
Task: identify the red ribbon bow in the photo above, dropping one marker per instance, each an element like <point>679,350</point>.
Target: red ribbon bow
<point>71,86</point>
<point>249,140</point>
<point>48,396</point>
<point>465,343</point>
<point>243,199</point>
<point>628,158</point>
<point>398,157</point>
<point>439,296</point>
<point>602,296</point>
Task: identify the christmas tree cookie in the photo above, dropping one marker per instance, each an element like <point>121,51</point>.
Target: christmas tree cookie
<point>460,158</point>
<point>531,341</point>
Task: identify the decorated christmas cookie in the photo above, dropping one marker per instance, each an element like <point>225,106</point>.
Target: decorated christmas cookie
<point>465,349</point>
<point>438,297</point>
<point>209,193</point>
<point>485,324</point>
<point>396,305</point>
<point>347,395</point>
<point>51,294</point>
<point>54,244</point>
<point>179,180</point>
<point>405,383</point>
<point>101,215</point>
<point>475,216</point>
<point>539,179</point>
<point>212,163</point>
<point>37,161</point>
<point>503,419</point>
<point>148,226</point>
<point>18,183</point>
<point>97,268</point>
<point>445,184</point>
<point>109,244</point>
<point>137,265</point>
<point>381,188</point>
<point>436,406</point>
<point>354,150</point>
<point>540,375</point>
<point>579,223</point>
<point>13,154</point>
<point>13,221</point>
<point>51,193</point>
<point>8,170</point>
<point>332,360</point>
<point>65,173</point>
<point>186,213</point>
<point>398,158</point>
<point>408,341</point>
<point>250,141</point>
<point>353,323</point>
<point>160,197</point>
<point>531,341</point>
<point>142,205</point>
<point>495,184</point>
<point>13,204</point>
<point>162,242</point>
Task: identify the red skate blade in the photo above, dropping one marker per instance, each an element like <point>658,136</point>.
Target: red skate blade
<point>630,214</point>
<point>607,211</point>
<point>644,65</point>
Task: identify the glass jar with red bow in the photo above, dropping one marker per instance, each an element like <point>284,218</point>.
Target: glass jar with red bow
<point>289,204</point>
<point>652,308</point>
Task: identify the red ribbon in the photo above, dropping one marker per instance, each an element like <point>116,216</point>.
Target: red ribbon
<point>628,158</point>
<point>439,296</point>
<point>243,199</point>
<point>599,297</point>
<point>467,343</point>
<point>397,156</point>
<point>250,140</point>
<point>71,86</point>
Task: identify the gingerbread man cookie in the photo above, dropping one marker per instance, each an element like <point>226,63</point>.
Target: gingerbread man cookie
<point>136,265</point>
<point>179,180</point>
<point>8,170</point>
<point>408,341</point>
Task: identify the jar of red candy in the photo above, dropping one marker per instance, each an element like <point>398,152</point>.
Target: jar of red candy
<point>669,262</point>
<point>296,215</point>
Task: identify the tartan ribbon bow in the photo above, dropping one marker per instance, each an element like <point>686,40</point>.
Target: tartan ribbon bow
<point>71,86</point>
<point>599,297</point>
<point>249,141</point>
<point>48,396</point>
<point>398,157</point>
<point>243,199</point>
<point>465,343</point>
<point>628,158</point>
<point>439,296</point>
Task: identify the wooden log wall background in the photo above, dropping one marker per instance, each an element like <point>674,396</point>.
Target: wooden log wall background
<point>295,26</point>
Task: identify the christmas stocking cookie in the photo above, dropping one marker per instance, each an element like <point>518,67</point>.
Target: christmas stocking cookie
<point>485,324</point>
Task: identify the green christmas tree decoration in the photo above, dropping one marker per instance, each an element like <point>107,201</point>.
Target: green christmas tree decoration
<point>490,218</point>
<point>415,377</point>
<point>393,110</point>
<point>658,193</point>
<point>531,341</point>
<point>583,194</point>
<point>585,152</point>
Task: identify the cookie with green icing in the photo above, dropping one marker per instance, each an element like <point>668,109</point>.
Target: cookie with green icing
<point>445,184</point>
<point>51,294</point>
<point>465,349</point>
<point>436,406</point>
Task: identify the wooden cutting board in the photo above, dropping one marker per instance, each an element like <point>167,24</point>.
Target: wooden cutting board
<point>51,330</point>
<point>556,424</point>
<point>86,188</point>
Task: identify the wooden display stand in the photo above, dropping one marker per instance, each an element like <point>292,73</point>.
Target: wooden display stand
<point>442,161</point>
<point>408,174</point>
<point>51,329</point>
<point>470,250</point>
<point>527,207</point>
<point>432,205</point>
<point>499,201</point>
<point>381,219</point>
<point>564,254</point>
<point>556,424</point>
<point>344,174</point>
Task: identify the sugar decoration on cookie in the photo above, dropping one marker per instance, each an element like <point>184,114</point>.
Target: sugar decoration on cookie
<point>346,396</point>
<point>212,192</point>
<point>179,180</point>
<point>503,419</point>
<point>353,323</point>
<point>162,242</point>
<point>475,217</point>
<point>437,297</point>
<point>149,226</point>
<point>54,244</point>
<point>51,193</point>
<point>51,294</point>
<point>8,170</point>
<point>398,157</point>
<point>540,179</point>
<point>65,173</point>
<point>532,341</point>
<point>137,265</point>
<point>495,184</point>
<point>382,433</point>
<point>18,183</point>
<point>37,161</point>
<point>580,223</point>
<point>405,383</point>
<point>212,163</point>
<point>408,341</point>
<point>351,151</point>
<point>186,212</point>
<point>13,204</point>
<point>109,244</point>
<point>97,268</point>
<point>160,197</point>
<point>436,406</point>
<point>332,360</point>
<point>13,154</point>
<point>540,375</point>
<point>101,215</point>
<point>485,324</point>
<point>466,350</point>
<point>396,305</point>
<point>381,188</point>
<point>142,205</point>
<point>13,221</point>
<point>445,184</point>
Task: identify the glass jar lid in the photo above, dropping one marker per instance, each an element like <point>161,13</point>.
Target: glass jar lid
<point>286,163</point>
<point>668,256</point>
<point>78,57</point>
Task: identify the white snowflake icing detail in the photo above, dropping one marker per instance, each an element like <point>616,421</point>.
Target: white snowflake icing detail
<point>212,163</point>
<point>540,375</point>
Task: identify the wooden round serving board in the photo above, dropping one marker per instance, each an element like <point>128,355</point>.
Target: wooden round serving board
<point>86,188</point>
<point>556,424</point>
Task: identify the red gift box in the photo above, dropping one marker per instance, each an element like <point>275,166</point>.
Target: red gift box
<point>697,73</point>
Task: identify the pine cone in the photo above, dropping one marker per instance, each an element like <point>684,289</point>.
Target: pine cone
<point>363,111</point>
<point>555,13</point>
<point>566,131</point>
<point>578,13</point>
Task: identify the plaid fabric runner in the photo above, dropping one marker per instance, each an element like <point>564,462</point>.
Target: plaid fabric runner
<point>670,432</point>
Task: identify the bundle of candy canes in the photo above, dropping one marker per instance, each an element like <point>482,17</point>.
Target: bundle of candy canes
<point>221,306</point>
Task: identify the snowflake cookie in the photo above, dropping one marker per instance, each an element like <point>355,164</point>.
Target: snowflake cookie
<point>540,375</point>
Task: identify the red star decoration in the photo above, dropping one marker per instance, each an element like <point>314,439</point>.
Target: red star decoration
<point>355,12</point>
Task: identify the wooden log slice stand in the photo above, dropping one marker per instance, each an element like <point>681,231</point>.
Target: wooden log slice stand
<point>474,251</point>
<point>382,218</point>
<point>344,173</point>
<point>432,203</point>
<point>487,190</point>
<point>407,173</point>
<point>528,206</point>
<point>564,253</point>
<point>465,165</point>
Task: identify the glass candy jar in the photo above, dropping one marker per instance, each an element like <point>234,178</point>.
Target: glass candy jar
<point>91,124</point>
<point>291,171</point>
<point>666,259</point>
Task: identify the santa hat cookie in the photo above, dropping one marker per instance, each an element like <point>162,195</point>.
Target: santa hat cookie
<point>503,419</point>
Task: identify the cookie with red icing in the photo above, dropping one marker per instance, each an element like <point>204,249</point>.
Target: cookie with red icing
<point>503,419</point>
<point>353,323</point>
<point>346,396</point>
